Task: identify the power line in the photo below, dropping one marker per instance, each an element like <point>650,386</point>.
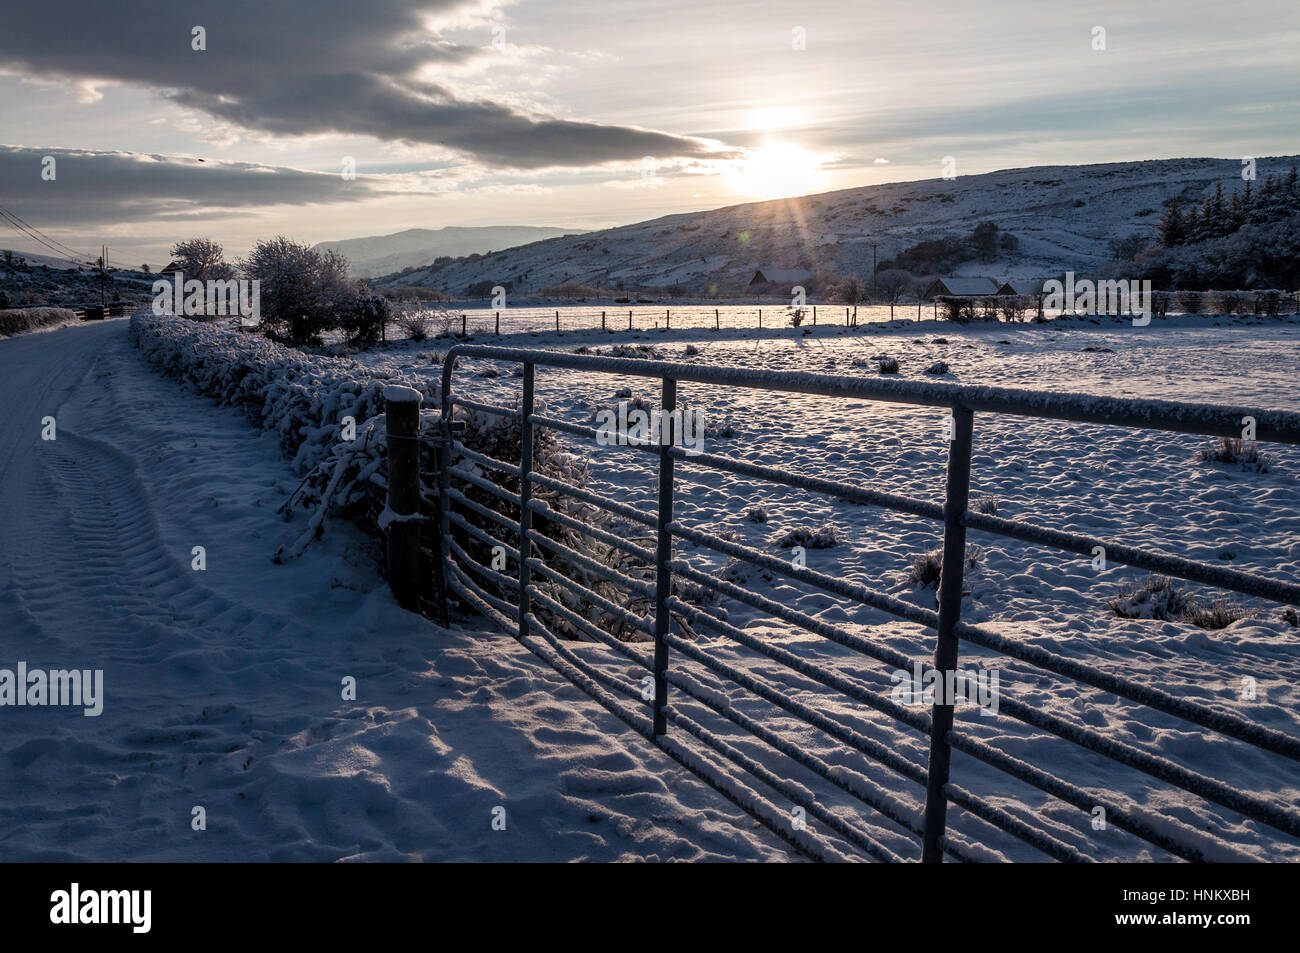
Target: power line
<point>41,243</point>
<point>51,240</point>
<point>48,250</point>
<point>61,251</point>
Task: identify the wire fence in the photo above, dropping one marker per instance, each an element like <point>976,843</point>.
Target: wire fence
<point>570,318</point>
<point>477,321</point>
<point>657,672</point>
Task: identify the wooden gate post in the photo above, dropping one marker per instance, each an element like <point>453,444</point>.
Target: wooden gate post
<point>402,415</point>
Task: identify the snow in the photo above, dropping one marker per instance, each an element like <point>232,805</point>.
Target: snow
<point>398,394</point>
<point>223,687</point>
<point>1137,487</point>
<point>1064,217</point>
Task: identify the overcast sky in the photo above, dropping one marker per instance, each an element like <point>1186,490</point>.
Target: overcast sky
<point>542,112</point>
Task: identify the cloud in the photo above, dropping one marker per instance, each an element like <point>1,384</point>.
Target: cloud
<point>310,67</point>
<point>92,188</point>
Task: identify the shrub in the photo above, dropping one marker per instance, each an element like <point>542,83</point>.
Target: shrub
<point>986,505</point>
<point>887,365</point>
<point>928,567</point>
<point>1013,307</point>
<point>304,292</point>
<point>1237,451</point>
<point>824,537</point>
<point>1217,615</point>
<point>1161,599</point>
<point>415,324</point>
<point>1189,301</point>
<point>756,514</point>
<point>958,309</point>
<point>1269,303</point>
<point>301,398</point>
<point>645,352</point>
<point>938,367</point>
<point>925,569</point>
<point>28,319</point>
<point>364,322</point>
<point>1157,597</point>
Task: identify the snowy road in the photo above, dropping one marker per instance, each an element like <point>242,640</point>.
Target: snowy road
<point>222,687</point>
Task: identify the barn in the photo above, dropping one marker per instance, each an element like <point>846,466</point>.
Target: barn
<point>1022,286</point>
<point>782,277</point>
<point>962,287</point>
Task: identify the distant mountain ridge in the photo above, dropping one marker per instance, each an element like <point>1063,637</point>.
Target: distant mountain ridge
<point>1063,217</point>
<point>383,254</point>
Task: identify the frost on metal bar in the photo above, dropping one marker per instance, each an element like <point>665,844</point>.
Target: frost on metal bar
<point>1220,576</point>
<point>1276,426</point>
<point>1167,833</point>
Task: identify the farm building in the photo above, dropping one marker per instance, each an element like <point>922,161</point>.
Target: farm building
<point>962,287</point>
<point>1022,286</point>
<point>779,276</point>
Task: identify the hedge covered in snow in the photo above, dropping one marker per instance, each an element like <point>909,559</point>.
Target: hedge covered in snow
<point>18,320</point>
<point>302,397</point>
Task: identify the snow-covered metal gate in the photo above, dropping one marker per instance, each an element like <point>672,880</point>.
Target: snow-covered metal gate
<point>927,821</point>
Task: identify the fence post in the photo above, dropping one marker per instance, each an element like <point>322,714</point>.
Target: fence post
<point>760,317</point>
<point>602,320</point>
<point>525,495</point>
<point>945,652</point>
<point>663,554</point>
<point>629,319</point>
<point>717,320</point>
<point>464,323</point>
<point>814,315</point>
<point>402,419</point>
<point>668,322</point>
<point>498,322</point>
<point>557,321</point>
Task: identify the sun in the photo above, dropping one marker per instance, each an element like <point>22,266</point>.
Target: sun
<point>778,170</point>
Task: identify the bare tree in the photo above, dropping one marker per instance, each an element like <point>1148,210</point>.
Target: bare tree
<point>202,258</point>
<point>852,290</point>
<point>892,284</point>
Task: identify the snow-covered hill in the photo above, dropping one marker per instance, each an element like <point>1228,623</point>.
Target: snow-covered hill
<point>1063,216</point>
<point>381,254</point>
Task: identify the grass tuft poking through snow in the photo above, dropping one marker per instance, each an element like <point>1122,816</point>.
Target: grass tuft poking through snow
<point>1236,450</point>
<point>1162,599</point>
<point>927,567</point>
<point>823,537</point>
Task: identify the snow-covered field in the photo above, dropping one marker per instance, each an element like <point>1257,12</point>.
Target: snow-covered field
<point>223,687</point>
<point>1141,488</point>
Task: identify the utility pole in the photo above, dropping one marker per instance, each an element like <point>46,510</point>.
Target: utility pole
<point>103,276</point>
<point>874,246</point>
